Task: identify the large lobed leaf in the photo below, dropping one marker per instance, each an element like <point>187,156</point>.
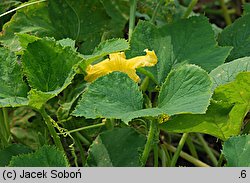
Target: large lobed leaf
<point>49,68</point>
<point>224,117</point>
<point>13,90</point>
<point>186,90</point>
<point>110,96</point>
<point>46,156</point>
<point>32,19</point>
<point>121,147</point>
<point>238,36</point>
<point>214,122</point>
<point>227,72</point>
<point>85,21</point>
<point>237,150</point>
<point>184,41</point>
<point>12,150</point>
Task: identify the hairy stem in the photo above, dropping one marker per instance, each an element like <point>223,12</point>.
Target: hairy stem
<point>156,155</point>
<point>86,128</point>
<point>168,158</point>
<point>220,161</point>
<point>79,145</point>
<point>49,122</point>
<point>150,140</point>
<point>225,12</point>
<point>132,18</point>
<point>190,8</point>
<point>163,157</point>
<point>3,133</point>
<point>178,150</point>
<point>207,149</point>
<point>192,148</point>
<point>187,157</point>
<point>6,121</point>
<point>110,124</point>
<point>84,140</point>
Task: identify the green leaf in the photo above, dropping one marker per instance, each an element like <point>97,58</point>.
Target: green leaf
<point>83,21</point>
<point>10,151</point>
<point>107,47</point>
<point>237,150</point>
<point>119,12</point>
<point>49,68</point>
<point>31,19</point>
<point>238,36</point>
<point>174,45</point>
<point>110,96</point>
<point>236,92</point>
<point>215,122</point>
<point>120,147</point>
<point>87,22</point>
<point>186,90</point>
<point>246,7</point>
<point>13,90</point>
<point>147,36</point>
<point>26,39</point>
<point>227,72</point>
<point>7,4</point>
<point>46,156</point>
<point>224,118</point>
<point>67,42</point>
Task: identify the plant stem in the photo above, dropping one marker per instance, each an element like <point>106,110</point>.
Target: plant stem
<point>192,147</point>
<point>82,139</point>
<point>132,18</point>
<point>168,158</point>
<point>200,148</point>
<point>187,157</point>
<point>156,155</point>
<point>3,133</point>
<point>110,124</point>
<point>147,73</point>
<point>163,157</point>
<point>207,149</point>
<point>49,122</point>
<point>79,145</point>
<point>225,12</point>
<point>219,12</point>
<point>144,84</point>
<point>178,150</point>
<point>156,10</point>
<point>86,128</point>
<point>150,140</point>
<point>220,161</point>
<point>6,121</point>
<point>246,129</point>
<point>20,7</point>
<point>190,8</point>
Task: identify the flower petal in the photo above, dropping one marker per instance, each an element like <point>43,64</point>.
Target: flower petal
<point>118,62</point>
<point>150,59</point>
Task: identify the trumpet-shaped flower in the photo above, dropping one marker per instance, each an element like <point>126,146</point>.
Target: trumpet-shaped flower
<point>118,62</point>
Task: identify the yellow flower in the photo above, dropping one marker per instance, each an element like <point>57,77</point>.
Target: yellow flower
<point>118,62</point>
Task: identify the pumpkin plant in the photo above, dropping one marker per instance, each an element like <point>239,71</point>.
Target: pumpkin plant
<point>78,91</point>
